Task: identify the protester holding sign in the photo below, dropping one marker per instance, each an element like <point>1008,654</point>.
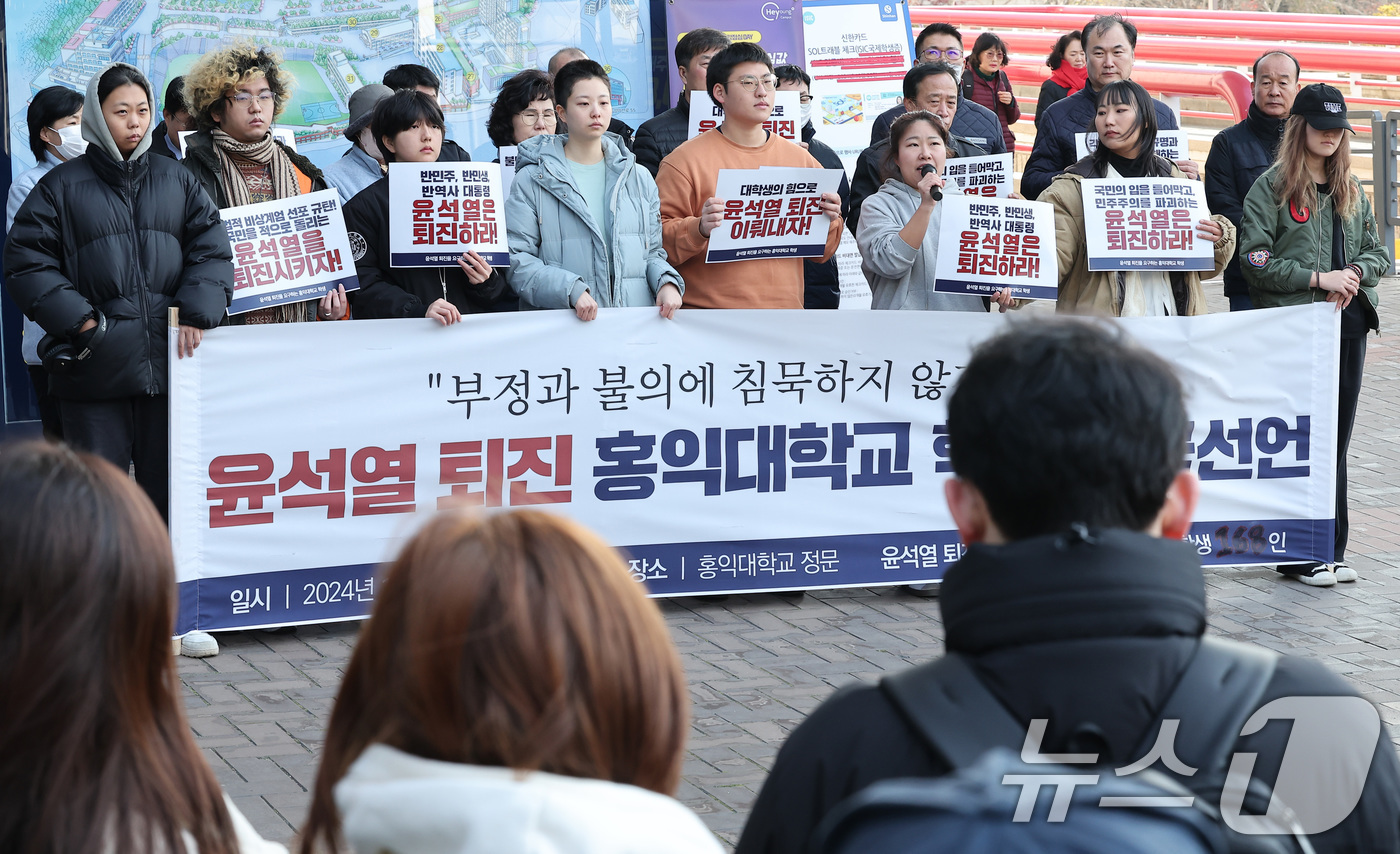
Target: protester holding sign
<point>741,80</point>
<point>823,285</point>
<point>898,234</point>
<point>408,127</point>
<point>103,247</point>
<point>584,220</point>
<point>234,94</point>
<point>1309,234</point>
<point>514,691</point>
<point>1127,126</point>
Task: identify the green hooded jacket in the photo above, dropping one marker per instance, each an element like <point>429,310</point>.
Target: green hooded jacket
<point>1280,247</point>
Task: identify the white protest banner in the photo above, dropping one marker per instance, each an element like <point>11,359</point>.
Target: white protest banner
<point>288,250</point>
<point>438,211</point>
<point>705,114</point>
<point>282,135</point>
<point>857,52</point>
<point>1145,224</point>
<point>508,155</point>
<point>726,451</point>
<point>1171,144</point>
<point>773,212</point>
<point>988,175</point>
<point>986,245</point>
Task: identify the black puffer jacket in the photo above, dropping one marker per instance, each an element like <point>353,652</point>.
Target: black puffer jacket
<point>1054,148</point>
<point>1090,636</point>
<point>201,160</point>
<point>1238,156</point>
<point>661,135</point>
<point>130,238</point>
<point>823,282</point>
<point>404,291</point>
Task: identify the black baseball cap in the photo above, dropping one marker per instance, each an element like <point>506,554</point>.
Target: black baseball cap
<point>1323,106</point>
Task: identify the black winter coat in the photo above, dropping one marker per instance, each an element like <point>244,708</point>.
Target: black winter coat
<point>661,135</point>
<point>131,239</point>
<point>1054,149</point>
<point>1238,156</point>
<point>204,163</point>
<point>866,182</point>
<point>823,283</point>
<point>972,122</point>
<point>403,291</point>
<point>1089,636</point>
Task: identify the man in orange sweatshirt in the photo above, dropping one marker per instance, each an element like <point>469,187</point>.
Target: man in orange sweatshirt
<point>740,79</point>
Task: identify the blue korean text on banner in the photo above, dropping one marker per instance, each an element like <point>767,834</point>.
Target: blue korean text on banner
<point>736,451</point>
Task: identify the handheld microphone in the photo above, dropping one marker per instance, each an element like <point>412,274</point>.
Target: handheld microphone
<point>935,192</point>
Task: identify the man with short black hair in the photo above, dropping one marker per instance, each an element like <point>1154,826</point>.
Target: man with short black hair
<point>660,135</point>
<point>930,86</point>
<point>942,43</point>
<point>741,80</point>
<point>175,117</point>
<point>1077,603</point>
<point>1240,154</point>
<point>1109,42</point>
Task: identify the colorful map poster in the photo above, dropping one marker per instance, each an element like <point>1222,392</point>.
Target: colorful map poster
<point>333,47</point>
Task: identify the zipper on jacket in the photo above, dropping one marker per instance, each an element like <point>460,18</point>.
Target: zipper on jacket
<point>129,191</point>
<point>442,280</point>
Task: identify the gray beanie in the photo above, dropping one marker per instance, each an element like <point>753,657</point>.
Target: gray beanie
<point>362,107</point>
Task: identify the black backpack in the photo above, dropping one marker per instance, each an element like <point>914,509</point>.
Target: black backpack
<point>954,713</point>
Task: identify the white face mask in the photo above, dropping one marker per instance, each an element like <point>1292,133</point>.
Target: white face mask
<point>368,144</point>
<point>71,142</point>
<point>806,113</point>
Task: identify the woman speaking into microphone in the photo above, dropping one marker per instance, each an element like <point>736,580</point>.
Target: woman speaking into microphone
<point>898,229</point>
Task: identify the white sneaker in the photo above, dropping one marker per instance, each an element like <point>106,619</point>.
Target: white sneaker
<point>1311,574</point>
<point>198,645</point>
<point>1345,574</point>
<point>927,591</point>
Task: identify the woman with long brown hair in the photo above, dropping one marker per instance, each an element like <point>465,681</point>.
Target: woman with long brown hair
<point>95,753</point>
<point>1309,234</point>
<point>514,691</point>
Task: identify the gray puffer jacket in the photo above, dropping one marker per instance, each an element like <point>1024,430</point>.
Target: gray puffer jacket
<point>557,251</point>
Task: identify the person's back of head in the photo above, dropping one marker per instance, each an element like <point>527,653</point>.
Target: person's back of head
<point>95,752</point>
<point>1064,422</point>
<point>514,640</point>
<point>412,76</point>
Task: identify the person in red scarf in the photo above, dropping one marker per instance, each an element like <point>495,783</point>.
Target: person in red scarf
<point>985,83</point>
<point>1070,71</point>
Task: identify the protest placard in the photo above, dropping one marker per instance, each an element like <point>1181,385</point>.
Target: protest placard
<point>774,212</point>
<point>288,250</point>
<point>508,155</point>
<point>785,121</point>
<point>1171,144</point>
<point>282,135</point>
<point>736,451</point>
<point>1145,224</point>
<point>986,245</point>
<point>989,175</point>
<point>439,211</point>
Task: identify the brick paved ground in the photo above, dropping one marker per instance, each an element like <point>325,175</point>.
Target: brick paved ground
<point>758,664</point>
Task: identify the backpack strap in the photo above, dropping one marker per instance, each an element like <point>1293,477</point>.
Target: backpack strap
<point>949,706</point>
<point>1216,693</point>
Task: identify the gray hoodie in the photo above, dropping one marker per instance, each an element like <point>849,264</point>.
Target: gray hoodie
<point>95,129</point>
<point>900,276</point>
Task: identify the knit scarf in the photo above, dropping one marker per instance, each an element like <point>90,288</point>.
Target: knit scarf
<point>1070,77</point>
<point>265,152</point>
